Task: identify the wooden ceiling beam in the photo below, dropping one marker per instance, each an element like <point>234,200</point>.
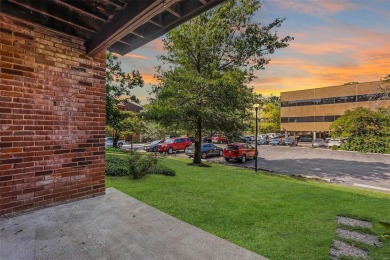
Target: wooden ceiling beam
<point>173,12</point>
<point>112,3</point>
<point>121,25</point>
<point>157,24</point>
<point>51,16</point>
<point>137,34</point>
<point>76,9</point>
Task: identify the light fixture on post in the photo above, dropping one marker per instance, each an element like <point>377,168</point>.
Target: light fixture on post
<point>256,106</point>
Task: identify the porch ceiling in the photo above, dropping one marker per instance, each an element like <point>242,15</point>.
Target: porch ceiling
<point>120,26</point>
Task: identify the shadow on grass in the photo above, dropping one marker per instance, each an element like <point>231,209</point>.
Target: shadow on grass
<point>199,165</point>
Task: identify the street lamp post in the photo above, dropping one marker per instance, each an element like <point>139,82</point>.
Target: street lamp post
<point>257,132</point>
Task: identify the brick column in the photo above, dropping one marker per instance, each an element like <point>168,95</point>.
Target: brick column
<point>52,118</point>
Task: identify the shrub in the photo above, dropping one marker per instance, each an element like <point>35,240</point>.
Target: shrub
<point>368,144</point>
<point>135,164</point>
<point>116,165</point>
<point>140,164</point>
<point>335,147</point>
<point>164,171</point>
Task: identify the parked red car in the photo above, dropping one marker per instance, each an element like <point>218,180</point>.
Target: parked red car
<point>174,144</point>
<point>219,139</point>
<point>239,151</point>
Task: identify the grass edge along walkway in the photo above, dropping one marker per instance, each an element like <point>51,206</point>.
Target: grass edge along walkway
<point>276,216</point>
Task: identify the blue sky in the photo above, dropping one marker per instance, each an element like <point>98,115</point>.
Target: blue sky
<point>335,42</point>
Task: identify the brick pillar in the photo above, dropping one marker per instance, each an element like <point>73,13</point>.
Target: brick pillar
<point>52,118</point>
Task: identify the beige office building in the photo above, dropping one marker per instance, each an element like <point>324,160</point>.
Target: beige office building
<point>314,110</point>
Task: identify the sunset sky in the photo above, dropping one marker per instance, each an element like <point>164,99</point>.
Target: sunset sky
<point>335,42</point>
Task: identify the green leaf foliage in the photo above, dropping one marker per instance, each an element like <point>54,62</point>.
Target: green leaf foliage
<point>361,121</point>
<point>270,115</point>
<point>368,144</point>
<point>135,165</point>
<point>208,63</point>
<point>118,89</point>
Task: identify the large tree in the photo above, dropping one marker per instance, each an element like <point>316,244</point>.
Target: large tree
<point>210,59</point>
<point>119,85</point>
<point>360,121</point>
<point>270,115</point>
<point>124,123</point>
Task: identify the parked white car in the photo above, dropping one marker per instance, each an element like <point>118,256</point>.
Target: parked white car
<point>109,141</point>
<point>336,142</point>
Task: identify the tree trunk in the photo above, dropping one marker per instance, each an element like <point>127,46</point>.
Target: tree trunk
<point>115,140</point>
<point>198,141</point>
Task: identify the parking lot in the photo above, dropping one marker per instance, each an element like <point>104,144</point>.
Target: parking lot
<point>342,167</point>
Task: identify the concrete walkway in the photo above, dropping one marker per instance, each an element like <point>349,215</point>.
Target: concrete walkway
<point>113,226</point>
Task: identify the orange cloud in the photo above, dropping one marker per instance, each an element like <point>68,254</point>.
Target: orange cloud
<point>137,56</point>
<point>149,78</point>
<point>316,7</point>
<point>155,45</point>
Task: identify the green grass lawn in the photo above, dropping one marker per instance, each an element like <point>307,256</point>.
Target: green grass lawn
<point>275,216</point>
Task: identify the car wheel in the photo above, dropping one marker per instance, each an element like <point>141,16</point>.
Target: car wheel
<point>243,158</point>
<point>120,145</point>
<point>220,153</point>
<point>226,159</point>
<point>170,151</point>
<point>204,155</point>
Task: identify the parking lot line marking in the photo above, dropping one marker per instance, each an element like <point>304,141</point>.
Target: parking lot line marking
<point>370,187</point>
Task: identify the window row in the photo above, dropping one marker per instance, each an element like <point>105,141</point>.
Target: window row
<point>334,100</point>
<point>308,119</point>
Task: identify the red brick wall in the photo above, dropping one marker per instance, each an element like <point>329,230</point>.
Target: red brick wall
<point>52,117</point>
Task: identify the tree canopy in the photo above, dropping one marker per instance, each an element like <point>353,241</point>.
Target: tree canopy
<point>209,60</point>
<point>360,121</point>
<point>270,115</point>
<point>118,89</point>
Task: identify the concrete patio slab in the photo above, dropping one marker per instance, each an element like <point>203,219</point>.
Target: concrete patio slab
<point>113,226</point>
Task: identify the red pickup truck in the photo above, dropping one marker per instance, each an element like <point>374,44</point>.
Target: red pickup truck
<point>174,144</point>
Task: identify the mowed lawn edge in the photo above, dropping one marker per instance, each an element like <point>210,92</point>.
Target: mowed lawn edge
<point>276,216</point>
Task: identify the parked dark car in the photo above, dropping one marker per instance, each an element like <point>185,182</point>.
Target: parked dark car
<point>290,141</point>
<point>262,141</point>
<point>246,139</point>
<point>276,141</point>
<point>239,151</point>
<point>152,147</point>
<point>305,138</point>
<point>206,139</point>
<point>206,150</point>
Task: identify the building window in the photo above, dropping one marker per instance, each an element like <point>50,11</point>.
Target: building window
<point>292,119</point>
<point>328,118</point>
<point>284,120</point>
<point>333,100</point>
<point>319,119</point>
<point>310,119</point>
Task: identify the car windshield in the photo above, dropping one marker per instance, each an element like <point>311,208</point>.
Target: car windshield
<point>289,139</point>
<point>155,142</point>
<point>232,147</point>
<point>318,140</point>
<point>169,141</point>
